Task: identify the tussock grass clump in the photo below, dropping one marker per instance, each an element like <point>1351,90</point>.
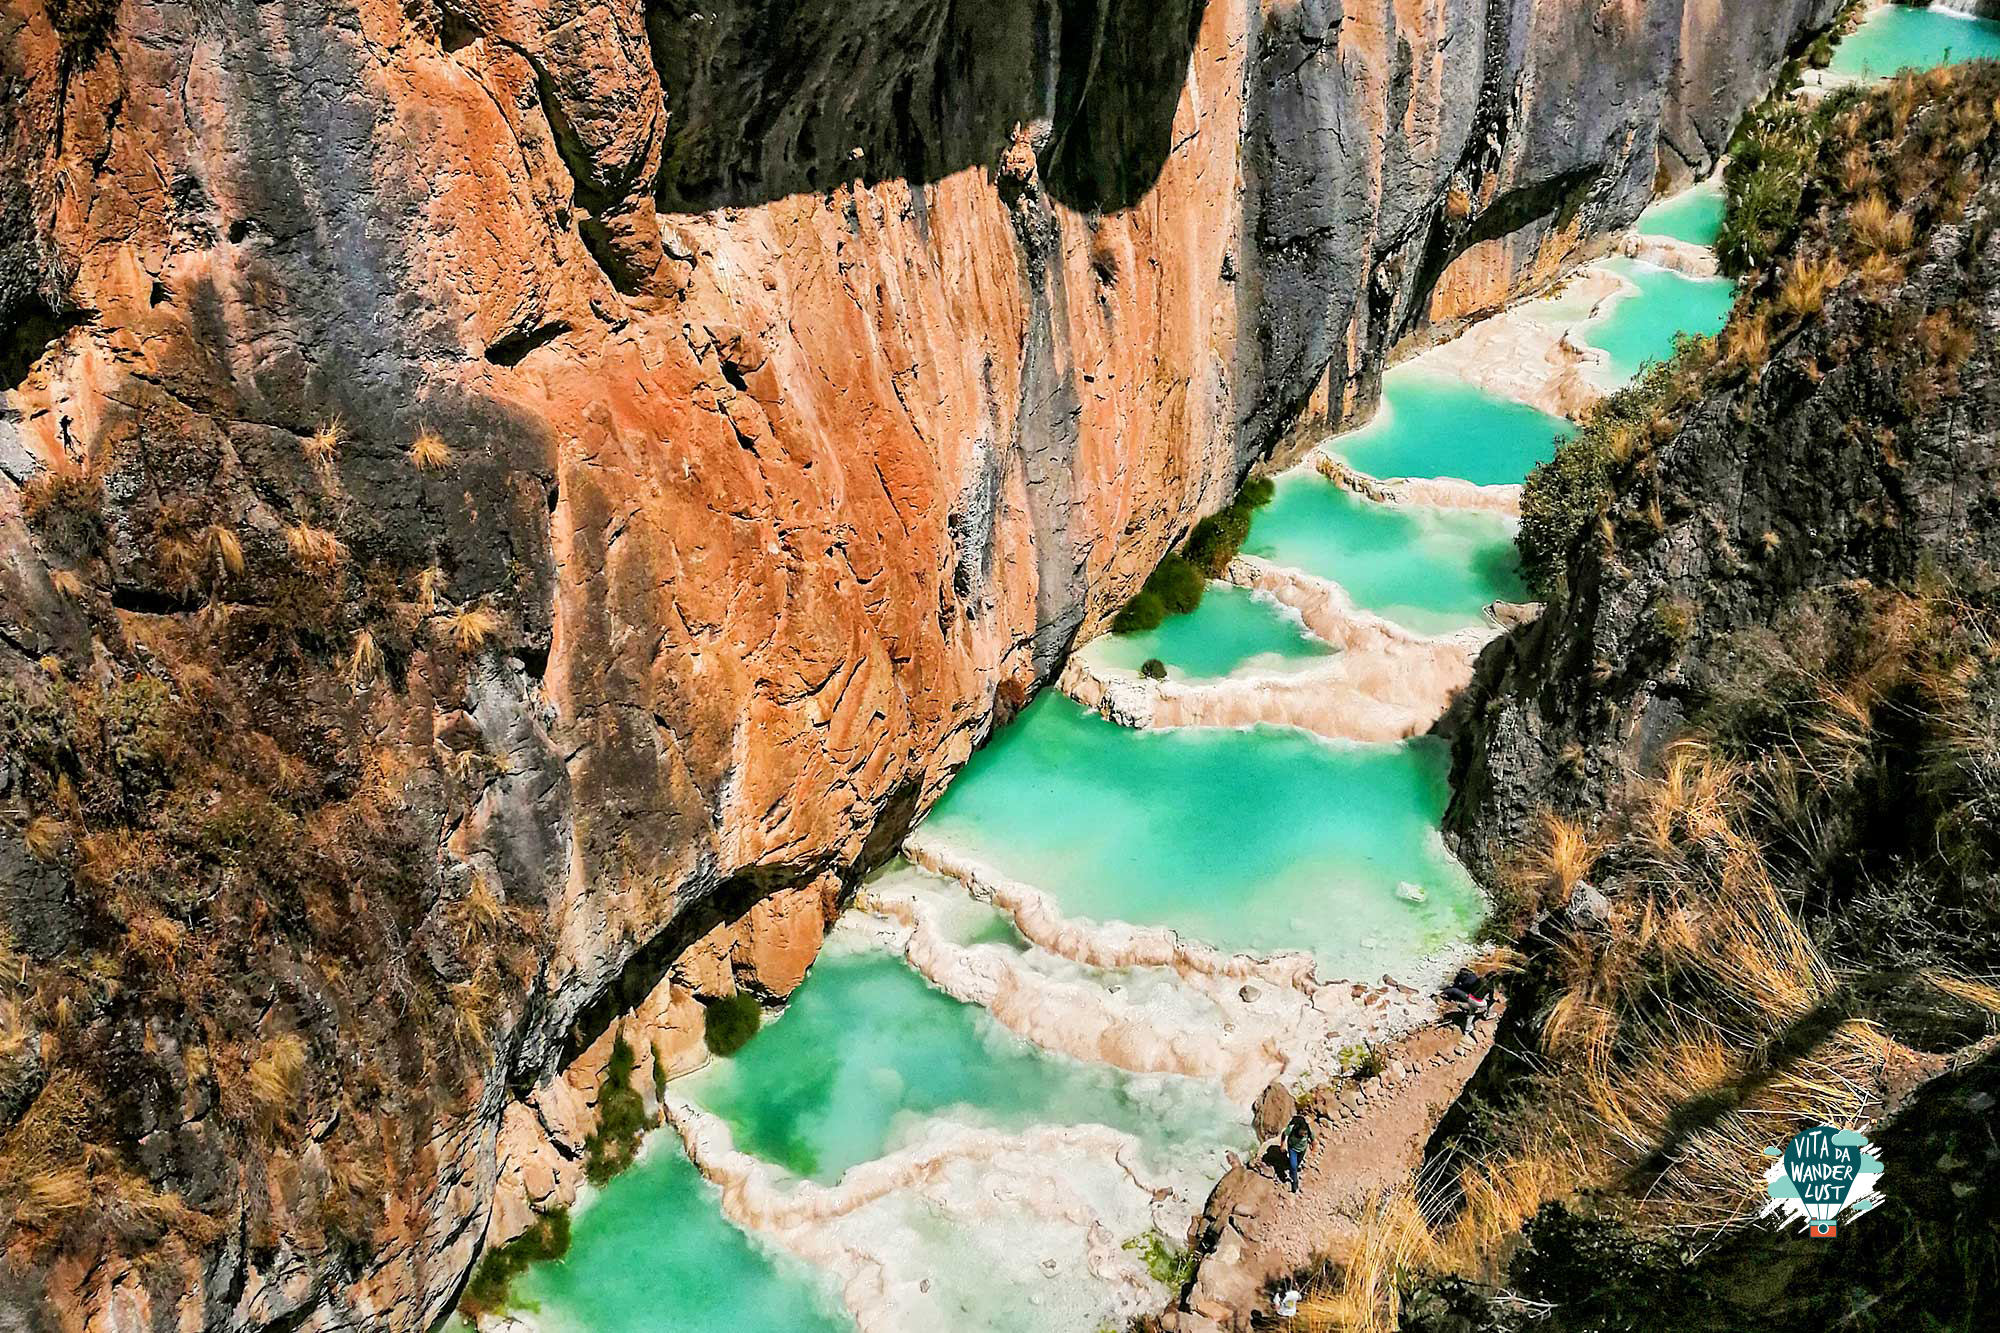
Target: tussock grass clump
<point>469,629</point>
<point>429,452</point>
<point>316,550</point>
<point>65,504</point>
<point>1799,904</point>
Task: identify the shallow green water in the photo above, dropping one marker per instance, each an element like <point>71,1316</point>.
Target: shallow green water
<point>1642,328</point>
<point>1430,569</point>
<point>653,1254</point>
<point>1232,629</point>
<point>1433,426</point>
<point>1694,215</point>
<point>1257,840</point>
<point>1897,38</point>
<point>868,1051</point>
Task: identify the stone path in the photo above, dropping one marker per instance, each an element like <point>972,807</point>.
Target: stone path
<point>1370,1137</point>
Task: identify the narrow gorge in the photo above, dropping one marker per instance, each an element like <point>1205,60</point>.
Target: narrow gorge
<point>515,515</point>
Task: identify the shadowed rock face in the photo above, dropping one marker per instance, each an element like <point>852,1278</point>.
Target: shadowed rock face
<point>1858,459</point>
<point>812,376</point>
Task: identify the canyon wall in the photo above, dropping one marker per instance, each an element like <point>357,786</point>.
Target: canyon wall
<point>496,490</point>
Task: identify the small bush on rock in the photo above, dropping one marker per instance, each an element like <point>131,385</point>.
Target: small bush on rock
<point>1153,669</point>
<point>1145,611</point>
<point>731,1023</point>
<point>621,1118</point>
<point>547,1238</point>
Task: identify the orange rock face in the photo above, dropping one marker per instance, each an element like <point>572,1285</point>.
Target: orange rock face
<point>631,460</point>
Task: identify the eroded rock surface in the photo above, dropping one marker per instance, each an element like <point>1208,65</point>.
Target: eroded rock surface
<point>594,467</point>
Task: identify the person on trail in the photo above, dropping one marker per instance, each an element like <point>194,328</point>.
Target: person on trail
<point>1470,997</point>
<point>1298,1138</point>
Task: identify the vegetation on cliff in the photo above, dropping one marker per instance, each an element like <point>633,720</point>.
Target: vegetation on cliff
<point>1790,913</point>
<point>547,1237</point>
<point>235,996</point>
<point>1175,586</point>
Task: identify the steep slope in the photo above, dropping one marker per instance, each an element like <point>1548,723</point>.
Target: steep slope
<point>1732,788</point>
<point>509,506</point>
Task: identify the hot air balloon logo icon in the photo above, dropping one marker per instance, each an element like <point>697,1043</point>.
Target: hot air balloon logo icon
<point>1821,1173</point>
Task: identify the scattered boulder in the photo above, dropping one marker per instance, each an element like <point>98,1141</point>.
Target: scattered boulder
<point>1273,1110</point>
<point>1588,906</point>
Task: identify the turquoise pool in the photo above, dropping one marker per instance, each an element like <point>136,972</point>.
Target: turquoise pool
<point>1433,426</point>
<point>1897,37</point>
<point>1694,215</point>
<point>1640,329</point>
<point>653,1254</point>
<point>1255,840</point>
<point>1430,569</point>
<point>868,1052</point>
<point>1233,629</point>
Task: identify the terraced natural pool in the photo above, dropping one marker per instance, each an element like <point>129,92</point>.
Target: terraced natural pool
<point>1432,570</point>
<point>1694,215</point>
<point>1255,840</point>
<point>1641,328</point>
<point>1433,426</point>
<point>1899,37</point>
<point>1233,630</point>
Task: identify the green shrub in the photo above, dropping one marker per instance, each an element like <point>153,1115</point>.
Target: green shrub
<point>1169,1264</point>
<point>1178,584</point>
<point>1217,538</point>
<point>1772,155</point>
<point>1362,1061</point>
<point>1153,669</point>
<point>1176,587</point>
<point>1568,492</point>
<point>486,1292</point>
<point>730,1023</point>
<point>621,1118</point>
<point>1145,611</point>
<point>1561,496</point>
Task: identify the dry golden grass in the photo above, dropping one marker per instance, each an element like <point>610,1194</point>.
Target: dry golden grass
<point>67,583</point>
<point>156,937</point>
<point>223,548</point>
<point>1946,338</point>
<point>1746,343</point>
<point>316,549</point>
<point>364,664</point>
<point>469,628</point>
<point>44,837</point>
<point>1967,991</point>
<point>480,910</point>
<point>1457,204</point>
<point>1858,173</point>
<point>1395,1239</point>
<point>1879,229</point>
<point>430,589</point>
<point>322,447</point>
<point>275,1078</point>
<point>429,452</point>
<point>1807,283</point>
